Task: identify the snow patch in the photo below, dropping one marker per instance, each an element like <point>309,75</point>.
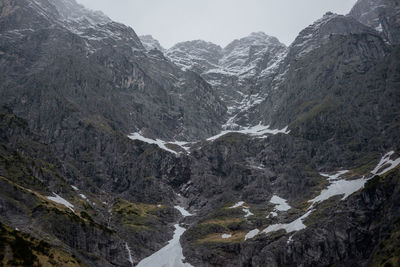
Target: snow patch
<point>248,212</point>
<point>75,188</point>
<point>340,187</point>
<point>160,143</point>
<point>258,130</point>
<point>169,256</point>
<point>333,177</point>
<point>336,187</point>
<point>245,209</point>
<point>294,226</point>
<point>61,201</point>
<point>226,236</point>
<point>237,205</point>
<point>281,204</point>
<point>273,214</point>
<point>251,234</point>
<point>384,162</point>
<point>184,212</point>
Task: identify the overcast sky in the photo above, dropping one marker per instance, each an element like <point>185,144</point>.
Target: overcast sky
<point>217,21</point>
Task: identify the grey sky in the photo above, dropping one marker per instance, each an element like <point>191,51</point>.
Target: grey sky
<point>218,21</point>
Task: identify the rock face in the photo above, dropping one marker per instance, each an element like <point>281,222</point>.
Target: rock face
<point>145,91</point>
<point>150,43</point>
<point>381,15</point>
<point>78,191</point>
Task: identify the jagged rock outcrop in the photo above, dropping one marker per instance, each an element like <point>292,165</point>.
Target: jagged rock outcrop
<point>382,15</point>
<point>150,43</point>
<point>198,56</point>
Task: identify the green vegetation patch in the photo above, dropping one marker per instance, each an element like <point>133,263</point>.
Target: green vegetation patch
<point>135,215</point>
<point>387,253</point>
<point>20,249</point>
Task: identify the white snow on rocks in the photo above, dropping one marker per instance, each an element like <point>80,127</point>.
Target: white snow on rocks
<point>245,209</point>
<point>160,143</point>
<point>336,187</point>
<point>387,163</point>
<point>248,212</point>
<point>226,236</point>
<point>334,177</point>
<point>294,226</point>
<point>251,234</point>
<point>237,205</point>
<point>169,256</point>
<point>130,259</point>
<point>61,201</point>
<point>258,130</point>
<point>340,187</point>
<point>75,188</point>
<point>273,214</point>
<point>184,212</point>
<point>281,204</point>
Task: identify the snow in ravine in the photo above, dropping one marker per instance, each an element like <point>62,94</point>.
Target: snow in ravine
<point>171,255</point>
<point>61,201</point>
<point>226,236</point>
<point>184,212</point>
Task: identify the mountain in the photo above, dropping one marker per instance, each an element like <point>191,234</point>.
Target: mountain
<point>233,70</point>
<point>66,53</point>
<point>113,153</point>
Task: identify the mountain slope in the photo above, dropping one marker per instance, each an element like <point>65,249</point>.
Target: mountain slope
<point>67,54</point>
<point>317,187</point>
